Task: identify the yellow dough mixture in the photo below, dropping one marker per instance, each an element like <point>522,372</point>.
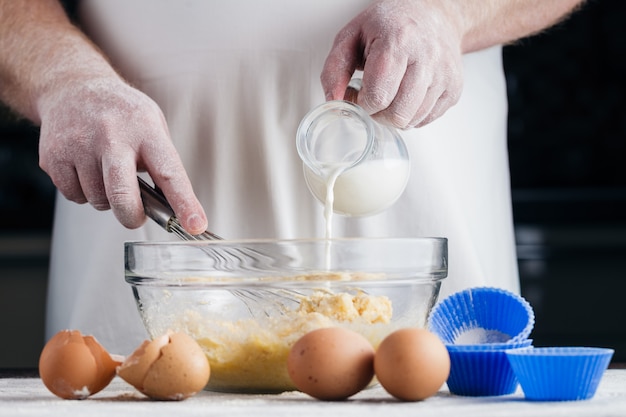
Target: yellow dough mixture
<point>248,355</point>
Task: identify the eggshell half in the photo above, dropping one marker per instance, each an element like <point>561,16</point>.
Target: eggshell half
<point>73,366</point>
<point>134,369</point>
<point>170,367</point>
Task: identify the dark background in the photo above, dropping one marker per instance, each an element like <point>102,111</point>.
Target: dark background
<point>567,146</point>
<point>567,143</point>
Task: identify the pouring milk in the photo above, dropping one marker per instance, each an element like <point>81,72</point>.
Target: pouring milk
<point>352,164</point>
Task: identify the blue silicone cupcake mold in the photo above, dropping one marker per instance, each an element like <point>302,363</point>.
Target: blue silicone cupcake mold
<point>482,370</point>
<point>482,315</point>
<point>559,373</point>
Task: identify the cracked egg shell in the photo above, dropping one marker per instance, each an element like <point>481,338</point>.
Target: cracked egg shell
<point>170,367</point>
<point>73,366</point>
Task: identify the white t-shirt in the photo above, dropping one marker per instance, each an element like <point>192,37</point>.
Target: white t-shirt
<point>234,78</point>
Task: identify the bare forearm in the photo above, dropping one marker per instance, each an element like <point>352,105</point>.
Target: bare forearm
<point>492,22</point>
<point>41,50</point>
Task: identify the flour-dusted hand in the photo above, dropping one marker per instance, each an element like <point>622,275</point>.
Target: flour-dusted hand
<point>410,51</point>
<point>410,54</point>
<point>96,135</point>
<point>97,131</point>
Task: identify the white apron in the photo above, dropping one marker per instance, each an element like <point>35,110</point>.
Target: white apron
<point>234,78</point>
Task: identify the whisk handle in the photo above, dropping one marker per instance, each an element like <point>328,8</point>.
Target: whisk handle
<point>158,209</point>
<point>155,205</point>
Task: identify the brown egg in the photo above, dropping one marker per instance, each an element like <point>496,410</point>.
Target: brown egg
<point>170,367</point>
<point>73,366</point>
<point>331,363</point>
<point>412,364</point>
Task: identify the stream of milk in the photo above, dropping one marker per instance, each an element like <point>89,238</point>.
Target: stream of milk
<point>367,188</point>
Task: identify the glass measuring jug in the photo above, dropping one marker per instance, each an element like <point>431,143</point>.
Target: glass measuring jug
<point>361,165</point>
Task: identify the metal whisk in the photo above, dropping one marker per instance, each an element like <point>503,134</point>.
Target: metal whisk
<point>158,209</point>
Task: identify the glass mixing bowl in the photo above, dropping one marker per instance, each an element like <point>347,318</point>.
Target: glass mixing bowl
<point>247,302</point>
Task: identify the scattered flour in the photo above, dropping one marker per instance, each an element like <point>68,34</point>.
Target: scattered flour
<point>479,335</point>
